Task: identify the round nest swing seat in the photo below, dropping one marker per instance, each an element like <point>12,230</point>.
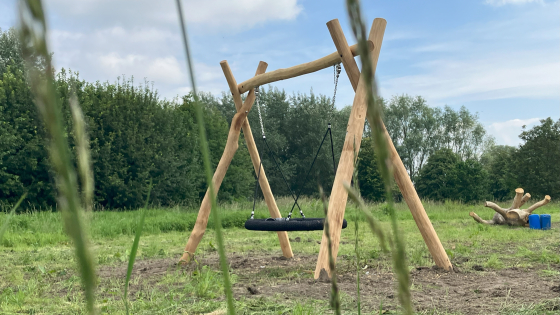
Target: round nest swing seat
<point>281,224</point>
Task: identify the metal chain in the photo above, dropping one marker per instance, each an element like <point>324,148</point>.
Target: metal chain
<point>337,70</point>
<point>257,93</point>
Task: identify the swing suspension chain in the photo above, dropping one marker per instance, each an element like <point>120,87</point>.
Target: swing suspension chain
<point>332,150</point>
<point>336,74</point>
<point>336,69</point>
<point>259,109</point>
<point>310,168</point>
<point>282,173</point>
<point>257,97</point>
<point>256,190</point>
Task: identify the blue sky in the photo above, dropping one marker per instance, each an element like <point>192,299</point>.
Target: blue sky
<point>499,58</point>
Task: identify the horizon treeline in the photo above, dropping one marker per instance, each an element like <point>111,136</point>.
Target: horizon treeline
<point>137,137</point>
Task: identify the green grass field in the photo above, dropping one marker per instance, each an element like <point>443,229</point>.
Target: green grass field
<point>38,272</point>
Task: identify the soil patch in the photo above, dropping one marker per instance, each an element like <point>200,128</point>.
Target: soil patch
<point>468,292</point>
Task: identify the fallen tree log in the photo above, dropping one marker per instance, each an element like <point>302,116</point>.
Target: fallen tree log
<point>513,215</point>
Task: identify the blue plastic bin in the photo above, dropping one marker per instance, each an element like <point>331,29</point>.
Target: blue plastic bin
<point>534,222</point>
<point>545,221</point>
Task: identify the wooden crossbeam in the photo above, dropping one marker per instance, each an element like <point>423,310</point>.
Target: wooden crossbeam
<point>295,71</point>
<point>339,195</point>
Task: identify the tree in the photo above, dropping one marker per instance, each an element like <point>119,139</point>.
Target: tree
<point>413,127</point>
<point>23,158</point>
<point>499,163</point>
<point>537,159</point>
<point>461,132</point>
<point>438,177</point>
<point>370,182</point>
<point>418,130</point>
<point>446,176</point>
<point>470,181</point>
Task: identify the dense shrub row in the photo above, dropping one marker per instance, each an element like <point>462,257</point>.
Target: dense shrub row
<point>137,137</point>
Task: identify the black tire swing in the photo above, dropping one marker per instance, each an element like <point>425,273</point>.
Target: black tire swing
<point>290,224</point>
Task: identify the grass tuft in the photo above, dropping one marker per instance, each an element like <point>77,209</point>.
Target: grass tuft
<point>9,217</point>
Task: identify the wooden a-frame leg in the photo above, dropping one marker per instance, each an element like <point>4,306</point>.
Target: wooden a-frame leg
<point>354,131</point>
<point>232,145</point>
<point>337,204</point>
<point>254,153</point>
<point>401,175</point>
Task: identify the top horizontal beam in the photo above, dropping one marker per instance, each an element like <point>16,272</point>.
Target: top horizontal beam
<point>304,68</point>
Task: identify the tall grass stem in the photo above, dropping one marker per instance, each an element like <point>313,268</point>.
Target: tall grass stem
<point>357,251</point>
<point>374,114</point>
<point>134,248</point>
<point>33,34</point>
<point>83,152</point>
<point>207,168</point>
<point>335,295</point>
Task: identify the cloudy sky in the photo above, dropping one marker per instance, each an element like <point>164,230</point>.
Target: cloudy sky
<point>499,58</point>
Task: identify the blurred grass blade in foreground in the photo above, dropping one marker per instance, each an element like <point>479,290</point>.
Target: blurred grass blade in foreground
<point>335,295</point>
<point>9,216</point>
<point>208,168</point>
<point>357,252</point>
<point>82,152</point>
<point>373,224</point>
<point>33,33</point>
<point>382,150</point>
<point>134,248</point>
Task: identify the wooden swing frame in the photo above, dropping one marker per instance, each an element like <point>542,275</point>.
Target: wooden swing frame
<point>339,195</point>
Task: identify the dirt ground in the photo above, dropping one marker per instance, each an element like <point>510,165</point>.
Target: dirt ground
<point>471,291</point>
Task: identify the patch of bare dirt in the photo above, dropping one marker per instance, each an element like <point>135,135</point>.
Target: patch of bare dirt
<point>468,292</point>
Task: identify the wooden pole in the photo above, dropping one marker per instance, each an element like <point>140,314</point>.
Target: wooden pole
<point>517,199</point>
<point>346,56</point>
<point>283,74</point>
<point>354,131</point>
<point>401,175</point>
<point>229,151</point>
<point>525,198</point>
<point>417,209</point>
<point>538,204</point>
<point>254,153</point>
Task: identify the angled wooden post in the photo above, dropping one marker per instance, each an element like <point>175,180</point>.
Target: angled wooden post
<point>231,147</point>
<point>401,175</point>
<point>254,153</point>
<point>354,131</point>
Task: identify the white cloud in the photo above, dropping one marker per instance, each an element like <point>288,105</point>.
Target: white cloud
<point>105,39</point>
<point>165,70</point>
<point>507,132</point>
<point>496,77</point>
<point>208,14</point>
<point>499,3</point>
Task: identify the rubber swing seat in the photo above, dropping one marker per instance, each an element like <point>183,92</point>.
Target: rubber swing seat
<point>281,224</point>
